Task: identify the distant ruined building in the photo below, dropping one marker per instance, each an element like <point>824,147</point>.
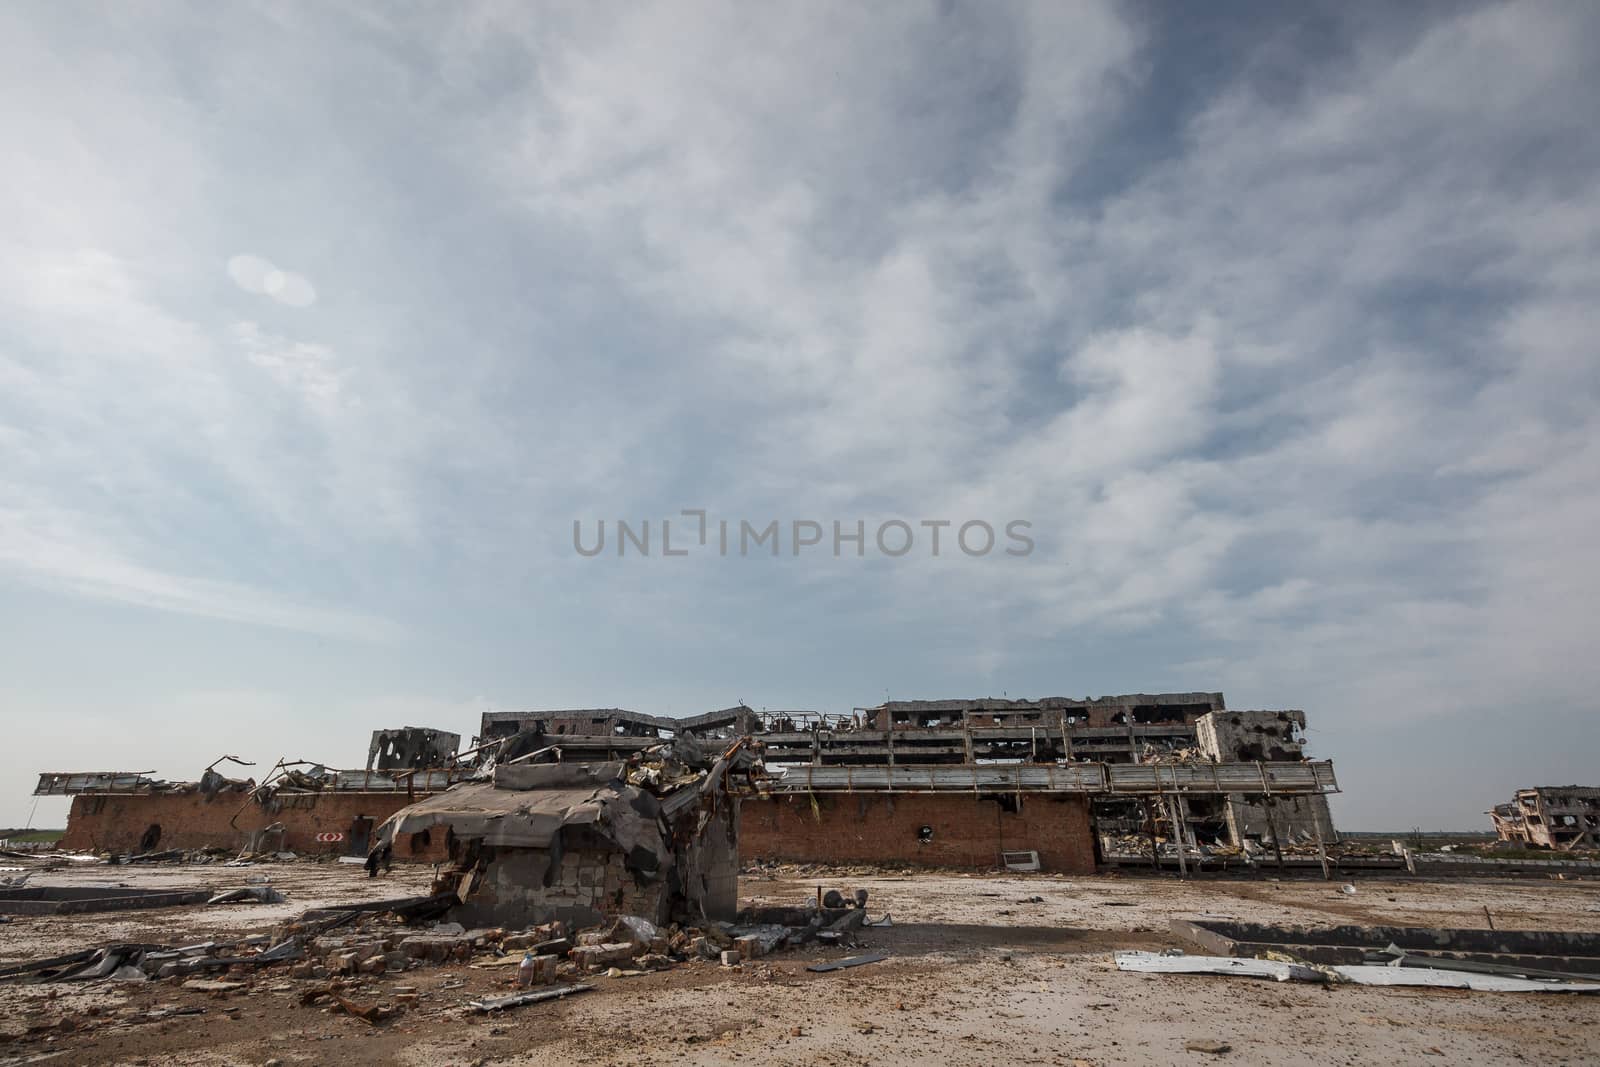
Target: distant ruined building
<point>1561,817</point>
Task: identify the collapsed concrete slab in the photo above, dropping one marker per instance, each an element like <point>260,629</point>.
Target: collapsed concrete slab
<point>72,900</point>
<point>1531,952</point>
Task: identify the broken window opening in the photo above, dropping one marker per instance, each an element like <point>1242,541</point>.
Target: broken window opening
<point>1010,803</point>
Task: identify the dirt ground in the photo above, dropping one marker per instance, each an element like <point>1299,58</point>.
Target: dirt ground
<point>977,974</point>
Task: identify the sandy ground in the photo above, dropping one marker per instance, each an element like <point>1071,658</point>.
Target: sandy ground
<point>976,975</point>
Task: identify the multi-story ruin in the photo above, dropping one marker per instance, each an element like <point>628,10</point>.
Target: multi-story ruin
<point>1562,817</point>
<point>959,782</point>
<point>1042,783</point>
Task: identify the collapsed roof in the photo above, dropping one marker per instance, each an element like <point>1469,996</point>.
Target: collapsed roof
<point>639,830</point>
<point>527,805</point>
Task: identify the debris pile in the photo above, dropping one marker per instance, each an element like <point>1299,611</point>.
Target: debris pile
<point>1187,755</point>
<point>333,959</point>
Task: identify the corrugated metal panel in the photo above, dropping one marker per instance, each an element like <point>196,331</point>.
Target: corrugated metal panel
<point>430,781</point>
<point>70,783</point>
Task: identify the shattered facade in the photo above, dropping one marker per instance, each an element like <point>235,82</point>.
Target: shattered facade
<point>1109,729</point>
<point>582,722</point>
<point>1255,805</point>
<point>1561,817</point>
<point>411,747</point>
<point>1265,737</point>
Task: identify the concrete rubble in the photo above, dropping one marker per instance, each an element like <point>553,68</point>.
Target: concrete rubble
<point>337,948</point>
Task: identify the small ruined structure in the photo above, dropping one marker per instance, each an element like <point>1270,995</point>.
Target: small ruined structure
<point>1561,817</point>
<point>655,836</point>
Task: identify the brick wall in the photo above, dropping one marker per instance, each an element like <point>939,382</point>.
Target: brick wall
<point>875,828</point>
<point>109,822</point>
<point>864,828</point>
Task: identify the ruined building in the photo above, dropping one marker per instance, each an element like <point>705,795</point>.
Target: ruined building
<point>959,782</point>
<point>1562,817</point>
<point>1045,783</point>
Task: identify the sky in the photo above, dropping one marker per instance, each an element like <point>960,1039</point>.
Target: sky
<point>322,325</point>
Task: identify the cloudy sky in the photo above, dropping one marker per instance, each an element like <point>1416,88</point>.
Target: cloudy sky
<point>320,325</point>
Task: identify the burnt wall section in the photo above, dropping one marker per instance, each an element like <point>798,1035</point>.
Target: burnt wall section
<point>411,747</point>
<point>918,829</point>
<point>1252,736</point>
<point>1265,736</point>
<point>582,722</point>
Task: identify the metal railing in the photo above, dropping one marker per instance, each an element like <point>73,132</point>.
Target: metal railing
<point>1100,778</point>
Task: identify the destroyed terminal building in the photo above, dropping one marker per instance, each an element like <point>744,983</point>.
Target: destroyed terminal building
<point>597,800</point>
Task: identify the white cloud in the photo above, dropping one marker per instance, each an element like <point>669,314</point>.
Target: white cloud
<point>256,275</point>
<point>52,551</point>
<point>1291,364</point>
<point>309,370</point>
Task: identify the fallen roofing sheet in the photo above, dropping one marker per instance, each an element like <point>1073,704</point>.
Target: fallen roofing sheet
<point>1162,963</point>
<point>69,783</point>
<point>1360,974</point>
<point>848,961</point>
<point>526,806</point>
<point>1576,953</point>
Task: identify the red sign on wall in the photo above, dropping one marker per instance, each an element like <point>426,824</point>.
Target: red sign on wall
<point>329,838</point>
